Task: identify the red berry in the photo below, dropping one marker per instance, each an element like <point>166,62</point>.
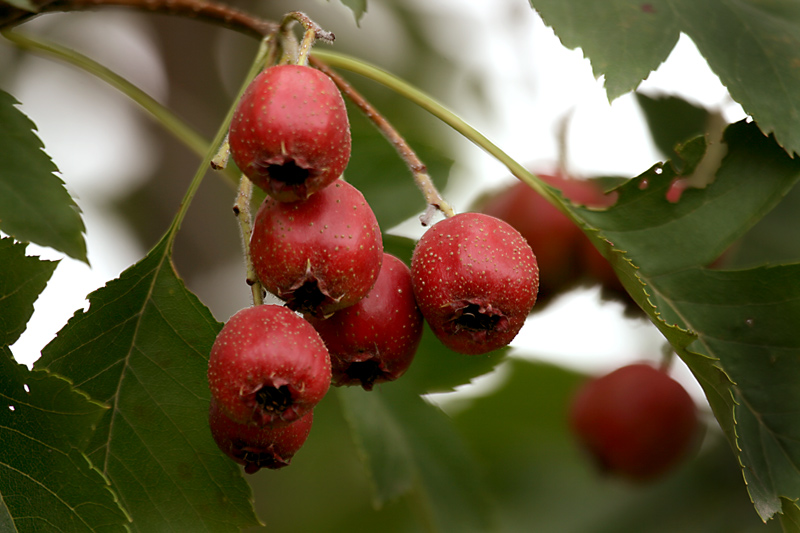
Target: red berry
<point>475,279</point>
<point>319,255</point>
<point>268,366</point>
<point>637,422</point>
<point>559,243</point>
<point>375,340</point>
<point>258,447</point>
<point>290,133</point>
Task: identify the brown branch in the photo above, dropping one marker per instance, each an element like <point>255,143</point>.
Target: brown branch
<point>415,165</point>
<point>218,13</point>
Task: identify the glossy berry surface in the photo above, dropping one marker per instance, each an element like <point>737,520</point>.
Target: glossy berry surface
<point>268,366</point>
<point>256,447</point>
<point>475,280</point>
<point>319,255</point>
<point>636,422</point>
<point>290,132</point>
<point>375,340</point>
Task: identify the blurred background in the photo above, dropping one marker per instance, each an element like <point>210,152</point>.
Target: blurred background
<point>500,68</point>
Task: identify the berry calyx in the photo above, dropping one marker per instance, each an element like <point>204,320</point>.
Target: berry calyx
<point>256,447</point>
<point>475,280</point>
<point>268,366</point>
<point>290,133</point>
<point>636,422</point>
<point>374,341</point>
<point>319,255</point>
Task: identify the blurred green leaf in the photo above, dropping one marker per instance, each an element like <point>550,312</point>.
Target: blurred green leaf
<point>23,279</point>
<point>399,434</point>
<point>46,483</point>
<point>438,369</point>
<point>672,120</point>
<point>142,347</point>
<point>790,519</point>
<point>754,48</point>
<point>377,171</point>
<point>744,320</point>
<point>34,205</point>
<point>359,7</point>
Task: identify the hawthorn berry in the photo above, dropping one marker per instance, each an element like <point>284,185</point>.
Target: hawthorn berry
<point>318,255</point>
<point>562,250</point>
<point>475,280</point>
<point>290,133</point>
<point>258,447</point>
<point>268,366</point>
<point>375,340</point>
<point>636,422</point>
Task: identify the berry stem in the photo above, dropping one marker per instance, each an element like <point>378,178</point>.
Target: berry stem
<point>418,169</point>
<point>313,31</point>
<point>444,114</point>
<point>243,214</point>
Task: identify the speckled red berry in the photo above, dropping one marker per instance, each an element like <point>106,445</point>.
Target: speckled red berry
<point>561,247</point>
<point>375,340</point>
<point>475,280</point>
<point>268,366</point>
<point>636,422</point>
<point>258,447</point>
<point>290,133</point>
<point>318,255</point>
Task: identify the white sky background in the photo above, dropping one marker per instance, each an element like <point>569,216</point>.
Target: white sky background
<point>532,82</point>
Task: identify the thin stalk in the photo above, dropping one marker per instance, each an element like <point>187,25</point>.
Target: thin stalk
<point>418,169</point>
<point>241,209</point>
<point>219,138</point>
<point>428,103</point>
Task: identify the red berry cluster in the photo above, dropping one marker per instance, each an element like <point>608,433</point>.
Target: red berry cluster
<point>353,314</point>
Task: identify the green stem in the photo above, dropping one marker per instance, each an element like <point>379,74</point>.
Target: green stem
<point>428,103</point>
<point>219,138</point>
<point>162,115</point>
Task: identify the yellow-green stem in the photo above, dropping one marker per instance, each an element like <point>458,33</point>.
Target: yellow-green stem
<point>428,103</point>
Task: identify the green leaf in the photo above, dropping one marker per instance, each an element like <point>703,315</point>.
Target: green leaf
<point>753,178</point>
<point>22,279</point>
<point>790,519</point>
<point>747,319</point>
<point>408,445</point>
<point>359,7</point>
<point>34,205</point>
<point>672,120</point>
<point>142,347</point>
<point>46,482</point>
<point>735,330</point>
<point>624,39</point>
<point>754,47</point>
